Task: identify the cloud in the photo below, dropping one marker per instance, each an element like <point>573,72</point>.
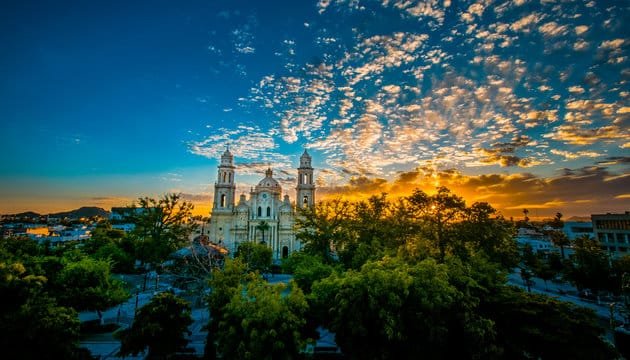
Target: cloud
<point>580,29</point>
<point>552,29</point>
<point>246,142</point>
<point>526,22</point>
<point>569,155</point>
<point>612,44</point>
<point>564,192</point>
<point>577,135</point>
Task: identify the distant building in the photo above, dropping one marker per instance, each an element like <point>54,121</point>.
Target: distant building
<point>118,214</point>
<point>575,229</point>
<point>613,232</point>
<point>265,216</point>
<point>538,241</point>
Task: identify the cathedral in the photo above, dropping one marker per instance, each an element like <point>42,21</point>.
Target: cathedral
<point>266,217</point>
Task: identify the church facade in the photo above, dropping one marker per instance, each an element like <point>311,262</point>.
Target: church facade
<point>266,216</point>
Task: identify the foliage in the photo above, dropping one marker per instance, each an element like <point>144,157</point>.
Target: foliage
<point>113,245</point>
<point>160,326</point>
<point>391,309</point>
<point>262,227</point>
<point>306,269</point>
<point>87,285</point>
<point>223,285</point>
<point>557,235</point>
<point>530,326</point>
<point>257,257</point>
<point>121,261</point>
<point>439,212</point>
<point>162,226</point>
<point>545,269</point>
<point>260,322</point>
<point>323,227</point>
<point>590,267</point>
<point>32,325</point>
<point>18,247</point>
<point>482,230</point>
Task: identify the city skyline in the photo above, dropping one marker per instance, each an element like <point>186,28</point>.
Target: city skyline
<point>524,104</point>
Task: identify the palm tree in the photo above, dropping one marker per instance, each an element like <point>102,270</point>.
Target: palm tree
<point>263,226</point>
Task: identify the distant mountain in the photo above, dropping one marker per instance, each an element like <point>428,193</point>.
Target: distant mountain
<point>85,211</point>
<point>27,214</point>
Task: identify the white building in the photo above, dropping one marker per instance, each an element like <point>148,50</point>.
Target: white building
<point>537,240</point>
<point>265,216</point>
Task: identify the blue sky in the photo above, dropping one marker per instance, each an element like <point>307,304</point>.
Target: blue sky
<point>521,103</point>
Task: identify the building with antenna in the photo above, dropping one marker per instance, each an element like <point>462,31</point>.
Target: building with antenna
<point>265,217</point>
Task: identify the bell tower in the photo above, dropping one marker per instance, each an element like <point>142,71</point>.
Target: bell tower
<point>305,187</point>
<point>224,187</point>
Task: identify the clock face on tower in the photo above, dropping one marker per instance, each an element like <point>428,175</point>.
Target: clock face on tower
<point>264,195</point>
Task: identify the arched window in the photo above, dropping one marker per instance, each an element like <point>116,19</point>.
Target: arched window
<point>268,211</point>
<point>310,177</point>
<point>230,177</point>
<point>285,252</point>
<point>222,200</point>
<point>259,211</point>
<point>305,200</point>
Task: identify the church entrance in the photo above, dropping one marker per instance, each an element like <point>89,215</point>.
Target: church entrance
<point>285,252</point>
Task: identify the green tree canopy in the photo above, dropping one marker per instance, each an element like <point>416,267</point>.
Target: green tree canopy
<point>261,321</point>
<point>530,326</point>
<point>162,226</point>
<point>394,310</point>
<point>32,325</point>
<point>161,327</point>
<point>306,269</point>
<point>590,267</point>
<point>439,212</point>
<point>87,285</point>
<point>256,257</point>
<point>323,227</point>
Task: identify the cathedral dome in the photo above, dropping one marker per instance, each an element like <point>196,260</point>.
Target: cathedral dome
<point>269,183</point>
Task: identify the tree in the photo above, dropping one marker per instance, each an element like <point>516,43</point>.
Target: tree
<point>323,227</point>
<point>224,285</point>
<point>87,285</point>
<point>525,218</point>
<point>545,269</point>
<point>260,322</point>
<point>529,266</point>
<point>557,235</point>
<point>113,245</point>
<point>162,226</point>
<point>483,230</point>
<point>306,269</point>
<point>257,257</point>
<point>32,324</point>
<point>121,261</point>
<point>262,227</point>
<point>161,326</point>
<point>394,310</point>
<point>590,267</point>
<point>439,212</point>
<point>530,326</point>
